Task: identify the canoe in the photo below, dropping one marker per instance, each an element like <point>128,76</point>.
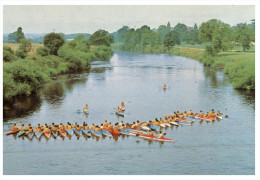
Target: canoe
<point>38,135</point>
<point>139,131</point>
<point>47,135</point>
<point>185,120</point>
<point>12,132</point>
<point>63,133</point>
<point>174,123</point>
<point>183,123</point>
<point>97,133</point>
<point>70,132</point>
<point>55,133</point>
<point>106,133</point>
<point>30,135</point>
<point>124,132</point>
<point>86,132</point>
<point>121,113</point>
<point>22,132</point>
<point>77,132</point>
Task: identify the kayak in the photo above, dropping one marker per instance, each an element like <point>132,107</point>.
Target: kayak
<point>154,128</point>
<point>22,132</point>
<point>162,125</point>
<point>167,124</point>
<point>63,133</point>
<point>184,123</point>
<point>85,132</point>
<point>70,132</point>
<point>55,133</point>
<point>124,132</point>
<point>12,132</point>
<point>185,120</point>
<point>121,113</point>
<point>38,135</point>
<point>219,117</point>
<point>97,133</point>
<point>106,133</point>
<point>146,136</point>
<point>30,135</point>
<point>47,135</point>
<point>77,132</point>
<point>86,111</point>
<point>174,123</point>
<point>145,128</point>
<point>205,118</point>
<point>139,131</point>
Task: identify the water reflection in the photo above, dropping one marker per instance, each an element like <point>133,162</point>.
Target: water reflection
<point>53,93</point>
<point>21,106</point>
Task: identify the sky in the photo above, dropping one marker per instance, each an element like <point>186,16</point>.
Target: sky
<point>88,19</point>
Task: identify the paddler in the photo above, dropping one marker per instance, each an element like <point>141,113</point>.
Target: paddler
<point>69,126</point>
<point>123,127</point>
<point>144,124</point>
<point>85,127</point>
<point>97,128</point>
<point>150,123</point>
<point>118,109</point>
<point>164,85</point>
<point>166,120</point>
<point>29,126</point>
<point>29,130</point>
<point>47,130</point>
<point>150,133</point>
<point>77,128</point>
<point>53,127</point>
<point>38,128</point>
<point>201,113</point>
<point>133,125</point>
<point>105,124</point>
<point>219,114</point>
<point>62,127</point>
<point>161,121</point>
<point>185,114</point>
<point>86,108</point>
<point>122,107</point>
<point>75,125</point>
<point>161,135</point>
<point>127,126</point>
<point>14,128</point>
<point>138,124</point>
<point>190,113</point>
<point>93,126</point>
<point>115,129</point>
<point>22,127</point>
<point>121,123</point>
<point>157,123</point>
<point>110,127</point>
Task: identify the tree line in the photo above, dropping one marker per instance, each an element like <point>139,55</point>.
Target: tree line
<point>218,35</point>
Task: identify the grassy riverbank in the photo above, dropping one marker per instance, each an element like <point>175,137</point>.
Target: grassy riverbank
<point>238,65</point>
<point>22,76</point>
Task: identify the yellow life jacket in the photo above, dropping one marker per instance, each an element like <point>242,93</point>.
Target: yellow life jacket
<point>69,127</point>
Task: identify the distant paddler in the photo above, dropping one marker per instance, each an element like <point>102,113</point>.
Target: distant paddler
<point>164,86</point>
<point>122,107</point>
<point>86,109</point>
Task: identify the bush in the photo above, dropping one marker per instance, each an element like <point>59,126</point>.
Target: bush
<point>53,42</point>
<point>42,51</point>
<point>8,54</point>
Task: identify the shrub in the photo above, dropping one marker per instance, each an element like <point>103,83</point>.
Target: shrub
<point>42,51</point>
<point>8,54</point>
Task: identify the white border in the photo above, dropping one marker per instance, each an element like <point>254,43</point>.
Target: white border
<point>142,2</point>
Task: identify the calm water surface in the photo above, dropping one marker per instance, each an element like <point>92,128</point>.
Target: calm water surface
<point>223,147</point>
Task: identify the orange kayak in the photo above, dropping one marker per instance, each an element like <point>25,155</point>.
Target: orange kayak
<point>12,132</point>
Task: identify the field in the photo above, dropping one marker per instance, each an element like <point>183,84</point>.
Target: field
<point>15,46</point>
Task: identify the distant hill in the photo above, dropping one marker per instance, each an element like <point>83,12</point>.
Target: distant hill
<point>38,38</point>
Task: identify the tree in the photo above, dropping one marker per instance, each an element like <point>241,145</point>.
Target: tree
<point>121,33</point>
<point>101,37</point>
<point>243,35</point>
<point>171,39</point>
<point>218,34</point>
<point>53,42</point>
<point>16,36</point>
<point>163,30</point>
<point>181,29</point>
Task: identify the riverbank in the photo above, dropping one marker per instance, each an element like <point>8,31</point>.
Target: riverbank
<point>238,65</point>
<point>24,76</point>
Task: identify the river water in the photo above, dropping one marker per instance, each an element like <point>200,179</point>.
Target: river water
<point>223,147</point>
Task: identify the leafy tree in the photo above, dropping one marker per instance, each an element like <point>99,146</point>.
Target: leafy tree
<point>24,48</point>
<point>218,34</point>
<point>163,30</point>
<point>16,36</point>
<point>101,37</point>
<point>53,42</point>
<point>121,33</point>
<point>171,39</point>
<point>243,35</point>
<point>80,43</point>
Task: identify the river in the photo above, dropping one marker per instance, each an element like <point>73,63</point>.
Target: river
<point>223,147</point>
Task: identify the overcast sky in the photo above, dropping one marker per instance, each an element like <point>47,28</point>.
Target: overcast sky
<point>88,19</point>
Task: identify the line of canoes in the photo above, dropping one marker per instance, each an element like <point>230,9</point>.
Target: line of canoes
<point>142,130</point>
